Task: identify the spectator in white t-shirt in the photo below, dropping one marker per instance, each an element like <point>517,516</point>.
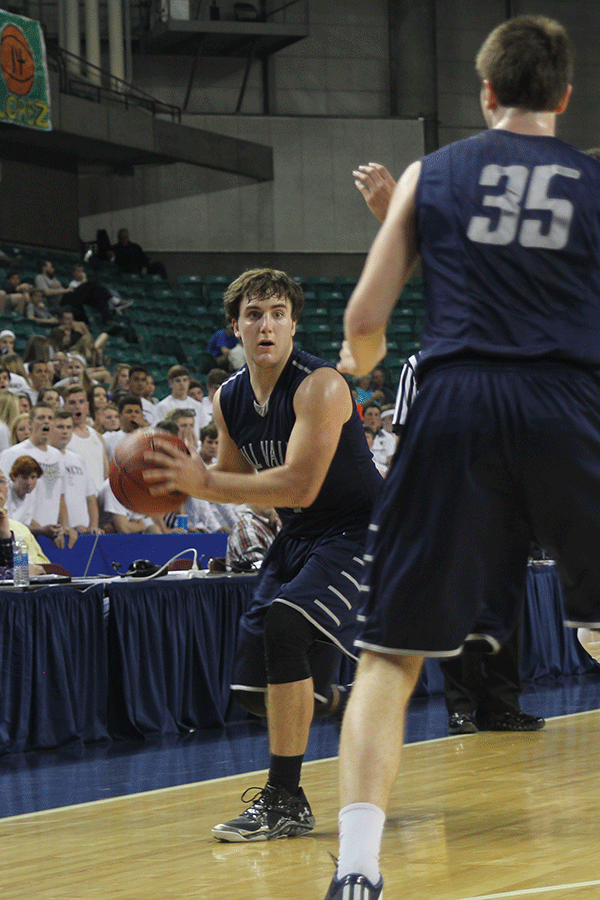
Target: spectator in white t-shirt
<point>138,376</point>
<point>80,489</point>
<point>50,509</point>
<point>85,440</point>
<point>130,419</point>
<point>20,498</point>
<point>116,518</point>
<point>179,398</point>
<point>384,444</point>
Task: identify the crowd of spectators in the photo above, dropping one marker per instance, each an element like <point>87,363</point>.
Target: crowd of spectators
<point>64,408</point>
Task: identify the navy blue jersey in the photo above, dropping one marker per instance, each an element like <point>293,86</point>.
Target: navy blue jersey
<point>509,232</point>
<point>261,433</point>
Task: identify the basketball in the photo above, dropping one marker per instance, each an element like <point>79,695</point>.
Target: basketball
<point>126,473</point>
<point>16,60</point>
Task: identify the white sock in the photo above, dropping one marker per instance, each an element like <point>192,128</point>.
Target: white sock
<point>361,829</point>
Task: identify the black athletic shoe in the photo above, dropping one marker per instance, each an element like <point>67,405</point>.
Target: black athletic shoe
<point>354,887</point>
<point>511,721</point>
<point>273,813</point>
<point>462,723</point>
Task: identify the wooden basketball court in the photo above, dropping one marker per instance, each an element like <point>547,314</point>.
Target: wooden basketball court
<point>481,817</point>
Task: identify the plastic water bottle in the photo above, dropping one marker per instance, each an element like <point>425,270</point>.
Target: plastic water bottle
<point>20,562</point>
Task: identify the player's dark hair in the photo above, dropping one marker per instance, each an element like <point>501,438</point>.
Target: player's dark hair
<point>528,60</point>
<point>263,283</point>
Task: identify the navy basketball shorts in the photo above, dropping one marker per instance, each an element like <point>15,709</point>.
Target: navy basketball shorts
<point>320,578</point>
<point>494,456</point>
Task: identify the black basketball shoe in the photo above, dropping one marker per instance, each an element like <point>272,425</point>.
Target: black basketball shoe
<point>354,887</point>
<point>273,813</point>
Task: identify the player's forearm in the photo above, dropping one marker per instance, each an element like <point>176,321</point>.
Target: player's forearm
<point>280,486</point>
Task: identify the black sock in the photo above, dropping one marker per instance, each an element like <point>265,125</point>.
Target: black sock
<point>285,772</point>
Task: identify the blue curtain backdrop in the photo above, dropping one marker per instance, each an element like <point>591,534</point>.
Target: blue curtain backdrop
<point>134,659</point>
<point>53,668</point>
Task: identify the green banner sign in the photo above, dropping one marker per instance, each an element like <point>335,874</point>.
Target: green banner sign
<point>24,88</point>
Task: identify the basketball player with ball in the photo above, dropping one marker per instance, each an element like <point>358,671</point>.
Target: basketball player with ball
<point>289,437</point>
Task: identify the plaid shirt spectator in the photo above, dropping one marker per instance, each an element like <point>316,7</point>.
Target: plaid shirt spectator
<point>252,535</point>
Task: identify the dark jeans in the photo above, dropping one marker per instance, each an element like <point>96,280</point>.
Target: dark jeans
<point>91,293</point>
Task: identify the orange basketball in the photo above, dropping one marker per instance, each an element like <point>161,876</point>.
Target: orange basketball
<point>16,61</point>
<point>127,479</point>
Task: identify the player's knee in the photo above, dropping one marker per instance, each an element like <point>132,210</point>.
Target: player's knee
<point>590,641</point>
<point>288,636</point>
<point>252,701</point>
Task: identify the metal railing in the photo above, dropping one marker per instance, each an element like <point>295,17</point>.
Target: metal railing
<point>101,86</point>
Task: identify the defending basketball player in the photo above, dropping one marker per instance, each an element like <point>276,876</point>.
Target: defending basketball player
<point>289,437</point>
<point>504,436</point>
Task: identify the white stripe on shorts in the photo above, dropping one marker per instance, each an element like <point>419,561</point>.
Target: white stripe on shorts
<point>337,593</point>
<point>351,579</point>
<point>328,611</point>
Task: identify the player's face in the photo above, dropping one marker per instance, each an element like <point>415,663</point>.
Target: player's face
<point>266,329</point>
<point>180,386</point>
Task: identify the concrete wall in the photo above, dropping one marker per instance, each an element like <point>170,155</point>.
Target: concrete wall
<point>311,206</point>
<point>329,102</point>
<point>462,27</point>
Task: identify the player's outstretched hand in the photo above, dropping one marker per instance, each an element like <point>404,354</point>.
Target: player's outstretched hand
<point>377,186</point>
<point>170,469</point>
<point>349,365</point>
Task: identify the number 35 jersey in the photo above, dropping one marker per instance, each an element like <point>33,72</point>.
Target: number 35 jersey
<point>509,232</point>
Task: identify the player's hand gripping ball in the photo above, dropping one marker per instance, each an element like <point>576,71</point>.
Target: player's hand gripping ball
<point>126,473</point>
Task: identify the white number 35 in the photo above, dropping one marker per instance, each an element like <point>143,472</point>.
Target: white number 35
<point>529,231</point>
